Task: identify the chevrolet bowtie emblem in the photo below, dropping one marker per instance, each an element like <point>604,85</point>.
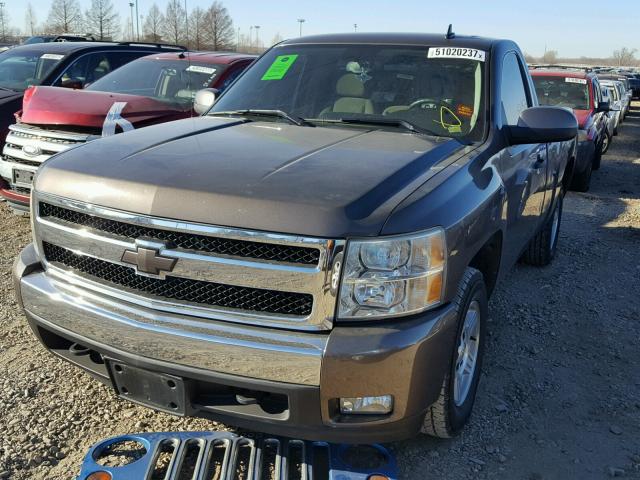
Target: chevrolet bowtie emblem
<point>149,261</point>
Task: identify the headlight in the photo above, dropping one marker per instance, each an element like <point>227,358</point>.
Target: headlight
<point>392,277</point>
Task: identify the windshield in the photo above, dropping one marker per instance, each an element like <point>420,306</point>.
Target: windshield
<point>437,90</point>
<point>175,81</point>
<point>19,70</point>
<point>612,92</point>
<point>562,92</point>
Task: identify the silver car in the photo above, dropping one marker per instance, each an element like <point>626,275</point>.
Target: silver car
<point>610,92</point>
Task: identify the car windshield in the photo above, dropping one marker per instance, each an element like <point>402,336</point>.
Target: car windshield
<point>19,70</point>
<point>432,90</point>
<point>562,92</point>
<point>174,81</point>
<point>612,92</point>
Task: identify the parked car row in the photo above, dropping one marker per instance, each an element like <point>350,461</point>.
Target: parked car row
<point>313,256</point>
<point>600,102</point>
<point>85,91</point>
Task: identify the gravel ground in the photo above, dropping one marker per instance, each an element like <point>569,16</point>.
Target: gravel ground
<point>559,397</point>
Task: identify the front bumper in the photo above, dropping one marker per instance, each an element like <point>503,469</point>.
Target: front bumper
<point>302,373</point>
<point>17,201</point>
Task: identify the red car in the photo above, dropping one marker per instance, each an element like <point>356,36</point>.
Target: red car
<point>579,90</point>
<point>154,89</point>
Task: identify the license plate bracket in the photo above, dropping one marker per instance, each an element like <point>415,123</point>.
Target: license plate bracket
<point>152,389</point>
<point>22,178</point>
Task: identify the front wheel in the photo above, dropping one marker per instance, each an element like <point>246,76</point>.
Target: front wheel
<point>606,143</point>
<point>542,248</point>
<point>581,182</point>
<point>449,414</point>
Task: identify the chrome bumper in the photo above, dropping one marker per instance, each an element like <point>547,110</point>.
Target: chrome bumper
<point>268,354</point>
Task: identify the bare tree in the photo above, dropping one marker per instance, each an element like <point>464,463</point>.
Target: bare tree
<point>153,24</point>
<point>4,23</point>
<point>64,16</point>
<point>625,56</point>
<point>174,22</point>
<point>30,20</point>
<point>102,19</point>
<point>550,57</point>
<point>277,38</point>
<point>197,29</point>
<point>219,26</point>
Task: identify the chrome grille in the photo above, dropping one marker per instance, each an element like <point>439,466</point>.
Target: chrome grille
<point>46,143</point>
<point>219,273</point>
<point>183,289</point>
<point>189,241</point>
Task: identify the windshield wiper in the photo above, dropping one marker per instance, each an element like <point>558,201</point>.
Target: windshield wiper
<point>391,122</point>
<point>299,121</point>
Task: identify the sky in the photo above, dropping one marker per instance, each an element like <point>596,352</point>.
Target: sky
<point>572,27</point>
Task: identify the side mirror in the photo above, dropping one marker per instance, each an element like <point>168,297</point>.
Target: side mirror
<point>204,100</point>
<point>603,107</point>
<point>543,125</point>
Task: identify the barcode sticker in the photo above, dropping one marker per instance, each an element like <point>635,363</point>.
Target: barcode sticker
<point>451,52</point>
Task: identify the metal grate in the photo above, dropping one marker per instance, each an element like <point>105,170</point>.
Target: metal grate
<point>184,289</point>
<point>226,456</point>
<point>189,241</point>
<point>21,161</point>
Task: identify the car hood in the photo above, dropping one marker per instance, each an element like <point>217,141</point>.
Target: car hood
<point>582,116</point>
<point>322,181</point>
<point>85,108</point>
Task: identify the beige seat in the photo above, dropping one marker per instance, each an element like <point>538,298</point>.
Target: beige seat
<point>350,89</point>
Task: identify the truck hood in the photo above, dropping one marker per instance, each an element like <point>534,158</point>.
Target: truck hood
<point>8,95</point>
<point>322,181</point>
<point>85,108</point>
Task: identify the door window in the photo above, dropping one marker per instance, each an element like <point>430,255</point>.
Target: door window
<point>514,93</point>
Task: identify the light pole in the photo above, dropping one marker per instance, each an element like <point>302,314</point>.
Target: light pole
<point>137,22</point>
<point>301,21</point>
<point>355,27</point>
<point>257,27</point>
<point>186,23</point>
<point>238,41</point>
<point>251,36</point>
<point>4,37</point>
<point>132,29</point>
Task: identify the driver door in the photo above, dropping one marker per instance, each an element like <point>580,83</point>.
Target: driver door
<point>524,167</point>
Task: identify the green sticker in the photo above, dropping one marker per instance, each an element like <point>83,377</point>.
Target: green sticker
<point>279,67</point>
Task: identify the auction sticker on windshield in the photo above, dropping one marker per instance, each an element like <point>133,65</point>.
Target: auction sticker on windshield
<point>451,52</point>
<point>581,81</point>
<point>279,67</point>
<point>201,69</point>
<point>52,56</point>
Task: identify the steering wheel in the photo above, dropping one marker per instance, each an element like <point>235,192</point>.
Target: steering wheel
<point>443,113</point>
<point>423,101</point>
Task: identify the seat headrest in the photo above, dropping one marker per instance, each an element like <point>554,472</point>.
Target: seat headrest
<point>349,85</point>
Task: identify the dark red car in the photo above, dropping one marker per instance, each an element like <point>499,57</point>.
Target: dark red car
<point>579,90</point>
<point>153,89</point>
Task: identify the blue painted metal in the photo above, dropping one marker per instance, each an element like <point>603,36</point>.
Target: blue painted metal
<point>341,458</point>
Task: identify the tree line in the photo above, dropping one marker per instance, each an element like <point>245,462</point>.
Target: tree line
<point>202,29</point>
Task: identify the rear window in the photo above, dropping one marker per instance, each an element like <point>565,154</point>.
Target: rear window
<point>563,92</point>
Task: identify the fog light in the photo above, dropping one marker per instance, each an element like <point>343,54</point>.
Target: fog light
<point>366,405</point>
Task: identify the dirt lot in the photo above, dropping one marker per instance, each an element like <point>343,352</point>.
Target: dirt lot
<point>559,398</point>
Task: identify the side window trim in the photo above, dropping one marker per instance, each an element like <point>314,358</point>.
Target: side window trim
<point>74,60</point>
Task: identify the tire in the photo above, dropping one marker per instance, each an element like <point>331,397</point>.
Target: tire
<point>581,182</point>
<point>451,411</point>
<point>542,248</point>
<point>604,147</point>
